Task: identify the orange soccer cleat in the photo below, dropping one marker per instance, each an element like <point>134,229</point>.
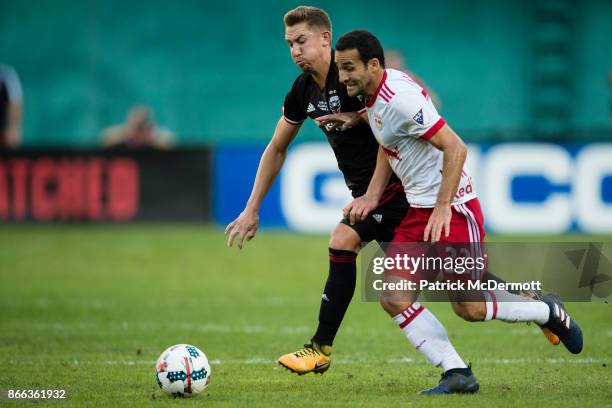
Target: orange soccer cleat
<point>550,336</point>
<point>312,358</point>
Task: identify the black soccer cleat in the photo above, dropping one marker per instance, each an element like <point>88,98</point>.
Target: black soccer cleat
<point>455,381</point>
<point>561,324</point>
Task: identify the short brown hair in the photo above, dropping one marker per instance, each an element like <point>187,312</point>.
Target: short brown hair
<point>313,16</point>
<point>366,44</point>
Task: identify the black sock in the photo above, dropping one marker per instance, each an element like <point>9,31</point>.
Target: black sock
<point>337,294</point>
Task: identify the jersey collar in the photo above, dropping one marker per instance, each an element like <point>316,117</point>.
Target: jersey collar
<point>370,101</point>
<point>332,72</point>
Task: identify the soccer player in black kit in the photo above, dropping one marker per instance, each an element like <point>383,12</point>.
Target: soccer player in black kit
<point>317,92</point>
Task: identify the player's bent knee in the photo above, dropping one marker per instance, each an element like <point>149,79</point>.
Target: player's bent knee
<point>470,311</point>
<point>345,238</point>
<point>393,307</point>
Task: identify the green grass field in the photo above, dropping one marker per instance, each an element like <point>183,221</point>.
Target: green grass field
<point>89,308</point>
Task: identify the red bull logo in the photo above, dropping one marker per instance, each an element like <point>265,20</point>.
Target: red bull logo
<point>394,154</point>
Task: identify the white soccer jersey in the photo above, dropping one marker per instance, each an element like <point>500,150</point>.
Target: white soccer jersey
<point>403,118</point>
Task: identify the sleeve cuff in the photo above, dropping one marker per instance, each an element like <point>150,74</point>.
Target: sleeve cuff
<point>434,129</point>
<point>292,122</point>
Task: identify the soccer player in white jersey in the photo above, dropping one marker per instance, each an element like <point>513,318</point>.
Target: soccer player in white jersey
<point>428,157</point>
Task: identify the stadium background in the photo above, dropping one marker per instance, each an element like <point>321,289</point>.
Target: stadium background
<point>526,83</point>
<point>506,71</point>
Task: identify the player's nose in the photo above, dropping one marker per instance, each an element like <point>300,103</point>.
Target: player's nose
<point>342,76</point>
<point>296,51</point>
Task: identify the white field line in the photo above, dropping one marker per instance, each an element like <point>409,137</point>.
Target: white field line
<point>339,361</point>
<point>152,326</point>
<point>514,329</point>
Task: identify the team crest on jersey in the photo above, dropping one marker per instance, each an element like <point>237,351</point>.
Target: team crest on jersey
<point>418,118</point>
<point>322,106</point>
<point>392,154</point>
<point>378,120</point>
<point>311,108</point>
<point>334,104</point>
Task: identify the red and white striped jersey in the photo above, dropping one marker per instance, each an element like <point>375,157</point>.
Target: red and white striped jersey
<point>403,118</point>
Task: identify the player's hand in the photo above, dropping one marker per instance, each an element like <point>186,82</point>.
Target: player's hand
<point>439,221</point>
<point>243,227</point>
<point>343,120</point>
<point>359,208</point>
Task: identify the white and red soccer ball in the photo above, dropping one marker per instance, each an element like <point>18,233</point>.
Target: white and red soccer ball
<point>183,370</point>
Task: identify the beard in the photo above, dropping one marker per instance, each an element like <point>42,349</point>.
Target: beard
<point>352,92</point>
<point>355,89</point>
<point>306,68</point>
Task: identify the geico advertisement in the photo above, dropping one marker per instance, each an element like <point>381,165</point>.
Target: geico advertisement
<point>524,188</point>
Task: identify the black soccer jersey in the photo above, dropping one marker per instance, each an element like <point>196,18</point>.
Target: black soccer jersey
<point>355,148</point>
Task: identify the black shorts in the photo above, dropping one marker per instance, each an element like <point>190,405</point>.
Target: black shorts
<point>380,223</point>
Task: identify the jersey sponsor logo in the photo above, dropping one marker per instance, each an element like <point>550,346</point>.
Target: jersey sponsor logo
<point>468,189</point>
<point>418,117</point>
<point>322,106</point>
<point>311,108</point>
<point>334,104</point>
<point>393,154</point>
<point>331,127</point>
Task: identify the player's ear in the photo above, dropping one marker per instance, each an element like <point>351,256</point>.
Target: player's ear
<point>326,35</point>
<point>373,64</point>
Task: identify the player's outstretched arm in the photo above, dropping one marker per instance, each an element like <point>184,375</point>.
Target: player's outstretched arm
<point>245,226</point>
<point>342,121</point>
<point>455,154</point>
<point>360,207</point>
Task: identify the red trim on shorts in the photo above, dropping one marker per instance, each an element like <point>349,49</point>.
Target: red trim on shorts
<point>472,223</point>
<point>434,129</point>
<point>410,314</point>
<point>371,100</point>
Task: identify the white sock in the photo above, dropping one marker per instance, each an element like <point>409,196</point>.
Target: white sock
<point>428,336</point>
<point>507,307</point>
